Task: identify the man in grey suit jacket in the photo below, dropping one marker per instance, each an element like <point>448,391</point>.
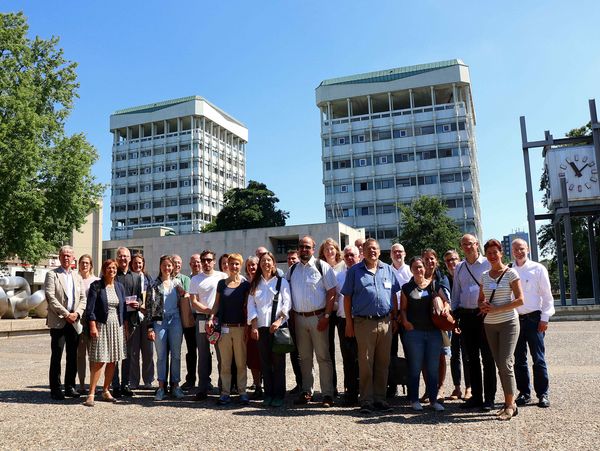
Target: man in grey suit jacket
<point>66,303</point>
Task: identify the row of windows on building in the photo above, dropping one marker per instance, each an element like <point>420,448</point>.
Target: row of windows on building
<point>169,184</point>
<point>163,219</point>
<point>399,182</point>
<point>236,144</point>
<point>379,135</point>
<point>398,157</point>
<point>369,210</point>
<point>216,154</point>
<point>161,203</point>
<point>160,168</point>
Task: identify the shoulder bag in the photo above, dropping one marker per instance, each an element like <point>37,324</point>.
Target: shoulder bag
<point>282,338</point>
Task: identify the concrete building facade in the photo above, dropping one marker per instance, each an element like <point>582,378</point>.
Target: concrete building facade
<point>393,135</point>
<point>278,240</point>
<point>172,163</point>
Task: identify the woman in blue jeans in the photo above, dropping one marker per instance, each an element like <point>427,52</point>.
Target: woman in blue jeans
<point>422,339</point>
<point>164,325</point>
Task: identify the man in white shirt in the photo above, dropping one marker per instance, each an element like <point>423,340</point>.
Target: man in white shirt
<point>348,345</point>
<point>464,300</point>
<point>534,314</point>
<point>313,285</point>
<point>203,290</point>
<point>402,272</point>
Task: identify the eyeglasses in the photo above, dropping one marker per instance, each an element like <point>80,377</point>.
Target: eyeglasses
<point>206,260</point>
<point>453,259</point>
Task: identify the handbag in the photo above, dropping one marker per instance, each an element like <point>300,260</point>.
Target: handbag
<point>442,321</point>
<point>282,338</point>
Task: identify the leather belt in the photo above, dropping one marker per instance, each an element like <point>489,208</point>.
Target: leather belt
<point>233,324</point>
<point>313,313</point>
<point>372,316</point>
<point>200,315</point>
<point>530,314</point>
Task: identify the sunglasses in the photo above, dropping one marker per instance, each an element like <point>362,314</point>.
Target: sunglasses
<point>206,260</point>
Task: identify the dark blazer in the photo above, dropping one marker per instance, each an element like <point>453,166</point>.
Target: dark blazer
<point>97,302</point>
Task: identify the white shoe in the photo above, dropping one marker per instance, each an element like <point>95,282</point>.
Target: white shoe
<point>416,406</point>
<point>437,407</point>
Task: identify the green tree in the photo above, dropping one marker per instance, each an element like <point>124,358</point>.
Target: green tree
<point>547,238</point>
<point>425,224</point>
<point>46,188</point>
<point>248,208</point>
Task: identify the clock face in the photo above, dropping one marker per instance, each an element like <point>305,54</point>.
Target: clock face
<point>580,172</point>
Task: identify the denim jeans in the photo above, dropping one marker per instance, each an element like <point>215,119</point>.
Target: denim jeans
<point>529,336</point>
<point>169,335</point>
<point>423,351</point>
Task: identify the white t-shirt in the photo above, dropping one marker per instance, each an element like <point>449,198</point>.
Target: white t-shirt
<point>205,287</point>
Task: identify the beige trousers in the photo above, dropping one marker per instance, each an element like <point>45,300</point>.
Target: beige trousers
<point>374,340</point>
<point>232,345</point>
<point>309,340</point>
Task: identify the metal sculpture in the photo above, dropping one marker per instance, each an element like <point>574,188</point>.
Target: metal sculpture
<point>16,300</point>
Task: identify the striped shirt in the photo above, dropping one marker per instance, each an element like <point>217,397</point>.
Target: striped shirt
<point>502,295</point>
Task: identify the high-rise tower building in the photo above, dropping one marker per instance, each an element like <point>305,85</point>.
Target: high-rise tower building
<point>172,163</point>
<point>393,135</point>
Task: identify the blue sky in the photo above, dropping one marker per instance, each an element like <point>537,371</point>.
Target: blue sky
<point>261,61</point>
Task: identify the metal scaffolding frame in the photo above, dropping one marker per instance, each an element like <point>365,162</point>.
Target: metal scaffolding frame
<point>561,215</point>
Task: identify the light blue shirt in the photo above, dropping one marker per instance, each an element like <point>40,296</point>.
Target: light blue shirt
<point>372,293</point>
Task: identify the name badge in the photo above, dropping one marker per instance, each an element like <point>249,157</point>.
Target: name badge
<point>387,284</point>
<point>202,326</point>
<point>224,330</point>
<point>493,285</point>
<point>424,293</point>
<point>474,288</point>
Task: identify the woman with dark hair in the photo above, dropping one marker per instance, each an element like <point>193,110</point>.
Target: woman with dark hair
<point>422,339</point>
<point>164,325</point>
<point>223,263</point>
<point>267,287</point>
<point>86,271</point>
<point>252,356</point>
<point>139,338</point>
<point>230,309</point>
<point>499,296</point>
<point>105,312</point>
<point>439,281</point>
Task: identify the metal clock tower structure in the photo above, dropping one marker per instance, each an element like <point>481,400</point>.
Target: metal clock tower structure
<point>571,165</point>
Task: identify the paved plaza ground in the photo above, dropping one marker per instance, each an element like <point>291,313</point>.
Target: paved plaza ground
<point>29,419</point>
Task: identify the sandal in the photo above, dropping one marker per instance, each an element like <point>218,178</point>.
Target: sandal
<point>508,413</point>
<point>456,394</point>
<point>107,397</point>
<point>89,402</point>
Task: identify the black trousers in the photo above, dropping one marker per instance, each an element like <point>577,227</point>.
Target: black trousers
<point>272,365</point>
<point>191,357</point>
<point>333,320</point>
<point>349,350</point>
<point>133,323</point>
<point>294,356</point>
<point>458,355</point>
<point>59,340</point>
<point>476,344</point>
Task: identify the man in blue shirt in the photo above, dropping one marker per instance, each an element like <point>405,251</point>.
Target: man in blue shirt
<point>371,306</point>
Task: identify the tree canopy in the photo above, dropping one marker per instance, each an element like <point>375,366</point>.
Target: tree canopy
<point>425,224</point>
<point>248,208</point>
<point>46,186</point>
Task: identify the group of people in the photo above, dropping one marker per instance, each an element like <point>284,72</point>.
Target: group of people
<point>498,310</point>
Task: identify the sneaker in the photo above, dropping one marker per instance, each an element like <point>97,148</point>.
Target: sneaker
<point>160,394</point>
<point>416,406</point>
<point>224,400</point>
<point>244,399</point>
<point>437,407</point>
<point>177,393</point>
<point>522,399</point>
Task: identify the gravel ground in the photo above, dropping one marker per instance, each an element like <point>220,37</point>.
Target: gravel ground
<point>29,419</point>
